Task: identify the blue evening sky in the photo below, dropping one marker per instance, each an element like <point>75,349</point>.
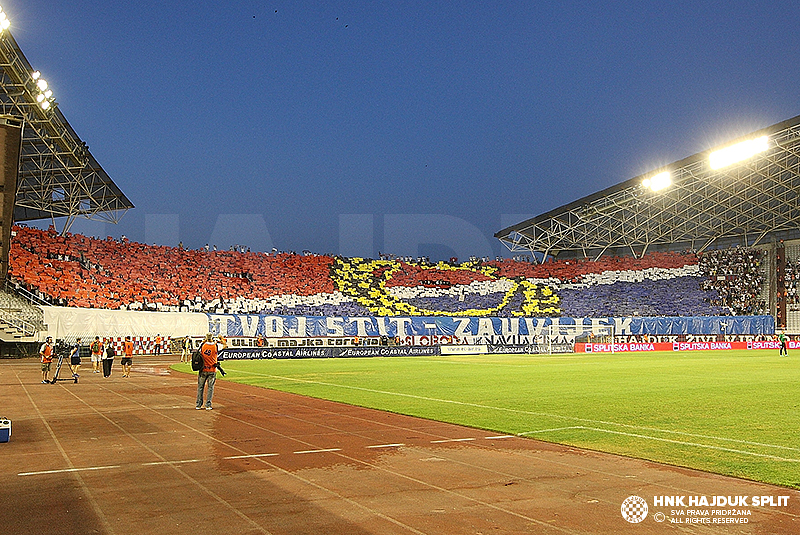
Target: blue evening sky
<point>415,127</point>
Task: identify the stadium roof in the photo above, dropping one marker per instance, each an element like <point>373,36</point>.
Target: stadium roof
<point>702,206</point>
<point>58,176</point>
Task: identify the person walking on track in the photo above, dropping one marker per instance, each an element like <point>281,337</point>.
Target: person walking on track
<point>97,354</point>
<point>127,356</point>
<point>75,358</point>
<point>46,353</point>
<point>108,358</point>
<point>208,375</point>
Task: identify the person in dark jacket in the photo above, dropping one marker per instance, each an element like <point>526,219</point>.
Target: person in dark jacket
<point>108,358</point>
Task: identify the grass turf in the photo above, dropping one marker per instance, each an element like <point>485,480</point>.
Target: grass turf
<point>728,412</point>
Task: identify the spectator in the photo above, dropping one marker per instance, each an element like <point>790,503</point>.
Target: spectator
<point>208,375</point>
<point>46,354</point>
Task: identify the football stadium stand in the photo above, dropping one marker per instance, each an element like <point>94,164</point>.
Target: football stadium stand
<point>79,271</point>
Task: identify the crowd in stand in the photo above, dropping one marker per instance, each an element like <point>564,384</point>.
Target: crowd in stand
<point>792,281</point>
<point>74,270</point>
<point>736,276</point>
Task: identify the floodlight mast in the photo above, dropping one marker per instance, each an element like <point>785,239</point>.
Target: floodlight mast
<point>738,153</point>
<point>58,177</point>
<point>658,182</point>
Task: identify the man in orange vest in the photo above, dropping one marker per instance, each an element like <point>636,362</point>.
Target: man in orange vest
<point>127,359</point>
<point>158,344</point>
<point>208,375</point>
<point>46,353</point>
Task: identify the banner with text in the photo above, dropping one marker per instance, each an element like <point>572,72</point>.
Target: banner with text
<point>469,328</point>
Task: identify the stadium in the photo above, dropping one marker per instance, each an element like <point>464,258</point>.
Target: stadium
<point>627,348</point>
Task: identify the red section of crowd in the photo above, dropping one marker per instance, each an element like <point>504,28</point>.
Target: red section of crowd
<point>74,270</point>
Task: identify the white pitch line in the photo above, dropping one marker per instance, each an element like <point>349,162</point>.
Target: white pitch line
<point>159,463</point>
<point>551,430</point>
<point>67,470</point>
<point>519,411</point>
<point>671,441</point>
<point>452,440</point>
<point>386,446</point>
<point>255,455</point>
<point>316,451</point>
<point>499,437</point>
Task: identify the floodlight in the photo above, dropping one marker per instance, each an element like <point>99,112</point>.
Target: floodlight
<point>5,24</point>
<point>658,182</point>
<point>738,152</point>
<point>35,75</point>
<point>39,97</point>
<point>48,94</point>
<point>45,105</point>
<point>41,84</point>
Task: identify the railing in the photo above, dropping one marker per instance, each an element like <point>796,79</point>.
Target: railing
<point>12,313</point>
<point>27,328</point>
<point>20,291</point>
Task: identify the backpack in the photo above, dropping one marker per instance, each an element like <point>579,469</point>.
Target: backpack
<point>197,361</point>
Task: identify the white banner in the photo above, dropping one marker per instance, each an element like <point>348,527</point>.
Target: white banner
<point>64,322</point>
<point>464,350</point>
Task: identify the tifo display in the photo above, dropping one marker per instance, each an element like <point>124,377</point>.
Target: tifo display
<point>78,271</point>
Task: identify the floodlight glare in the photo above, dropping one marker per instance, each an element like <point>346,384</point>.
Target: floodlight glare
<point>41,84</point>
<point>35,75</point>
<point>658,182</point>
<point>737,153</point>
<point>45,105</point>
<point>48,94</point>
<point>39,97</point>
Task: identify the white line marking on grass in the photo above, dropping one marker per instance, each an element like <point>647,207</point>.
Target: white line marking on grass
<point>316,451</point>
<point>671,441</point>
<point>256,455</point>
<point>452,440</point>
<point>518,411</point>
<point>551,430</point>
<point>499,437</point>
<point>386,446</point>
<point>67,470</point>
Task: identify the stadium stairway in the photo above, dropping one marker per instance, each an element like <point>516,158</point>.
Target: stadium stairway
<point>20,320</point>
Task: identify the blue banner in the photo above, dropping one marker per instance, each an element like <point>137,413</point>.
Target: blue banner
<point>364,326</point>
<point>252,353</point>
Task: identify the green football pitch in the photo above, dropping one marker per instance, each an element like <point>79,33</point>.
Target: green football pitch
<point>728,412</point>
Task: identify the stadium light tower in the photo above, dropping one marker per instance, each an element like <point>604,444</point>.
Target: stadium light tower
<point>44,96</point>
<point>56,174</point>
<point>658,182</point>
<point>738,152</point>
